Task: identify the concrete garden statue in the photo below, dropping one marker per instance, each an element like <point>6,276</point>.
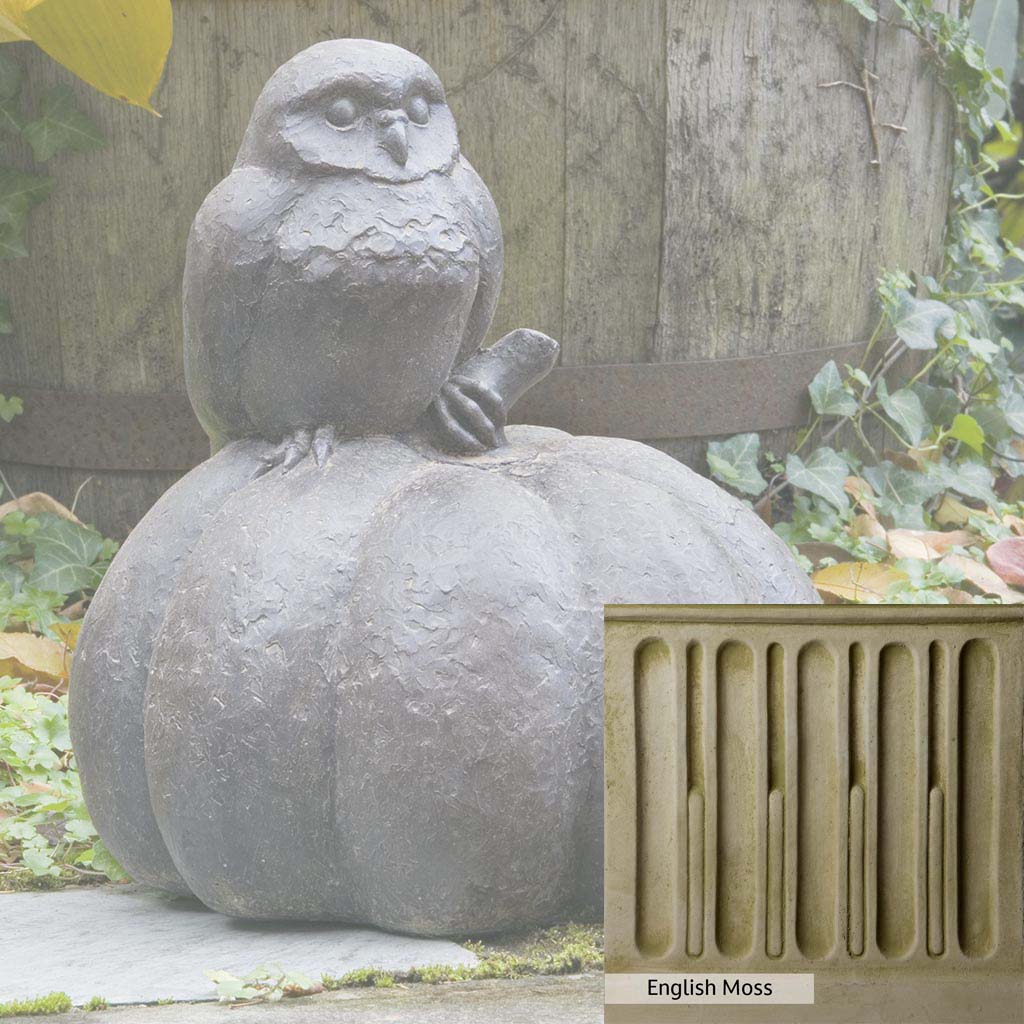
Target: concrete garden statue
<point>350,667</point>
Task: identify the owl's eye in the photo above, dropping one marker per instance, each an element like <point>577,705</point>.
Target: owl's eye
<point>418,110</point>
<point>342,113</point>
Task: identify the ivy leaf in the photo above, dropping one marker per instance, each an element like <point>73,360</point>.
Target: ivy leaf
<point>864,9</point>
<point>901,486</point>
<point>917,321</point>
<point>10,77</point>
<point>6,320</point>
<point>1012,405</point>
<point>970,479</point>
<point>940,404</point>
<point>734,462</point>
<point>18,194</point>
<point>965,428</point>
<point>992,421</point>
<point>11,118</point>
<point>61,127</point>
<point>12,245</point>
<point>66,556</point>
<point>17,189</point>
<point>904,408</point>
<point>823,474</point>
<point>103,860</point>
<point>827,394</point>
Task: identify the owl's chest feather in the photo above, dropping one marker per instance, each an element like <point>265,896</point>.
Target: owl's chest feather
<point>351,227</point>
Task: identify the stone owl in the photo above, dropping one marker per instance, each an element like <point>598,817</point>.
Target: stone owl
<point>350,260</point>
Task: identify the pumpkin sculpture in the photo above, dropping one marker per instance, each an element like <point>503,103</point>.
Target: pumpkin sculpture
<point>350,668</point>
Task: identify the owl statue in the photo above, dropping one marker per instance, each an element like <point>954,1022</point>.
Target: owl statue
<point>350,260</point>
<point>350,667</point>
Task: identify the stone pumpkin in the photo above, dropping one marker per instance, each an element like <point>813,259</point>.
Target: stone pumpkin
<point>340,672</point>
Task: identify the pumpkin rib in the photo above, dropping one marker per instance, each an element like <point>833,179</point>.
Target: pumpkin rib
<point>283,543</point>
<point>110,670</point>
<point>381,620</point>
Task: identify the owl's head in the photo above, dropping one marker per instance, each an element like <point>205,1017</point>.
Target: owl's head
<point>353,105</point>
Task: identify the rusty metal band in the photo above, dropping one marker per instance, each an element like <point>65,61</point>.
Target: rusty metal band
<point>652,401</point>
<point>643,401</point>
<point>76,430</point>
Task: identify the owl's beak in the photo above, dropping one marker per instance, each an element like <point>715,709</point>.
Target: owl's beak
<point>395,142</point>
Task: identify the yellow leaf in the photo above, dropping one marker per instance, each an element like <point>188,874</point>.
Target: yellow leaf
<point>68,632</point>
<point>865,582</point>
<point>33,657</point>
<point>12,20</point>
<point>117,46</point>
<point>9,31</point>
<point>952,512</point>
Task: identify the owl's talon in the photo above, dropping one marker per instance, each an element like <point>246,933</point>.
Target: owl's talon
<point>470,415</point>
<point>296,448</point>
<point>323,444</point>
<point>485,396</point>
<point>453,435</point>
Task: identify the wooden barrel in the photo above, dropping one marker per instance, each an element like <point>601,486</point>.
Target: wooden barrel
<point>689,205</point>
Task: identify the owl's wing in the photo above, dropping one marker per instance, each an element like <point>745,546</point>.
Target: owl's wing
<point>231,248</point>
<point>483,216</point>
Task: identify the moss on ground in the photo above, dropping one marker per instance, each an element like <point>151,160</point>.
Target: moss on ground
<point>566,949</point>
<point>55,1002</point>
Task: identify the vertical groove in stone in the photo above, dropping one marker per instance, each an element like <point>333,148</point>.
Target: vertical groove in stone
<point>855,924</point>
<point>817,818</point>
<point>858,780</point>
<point>976,861</point>
<point>695,661</point>
<point>936,939</point>
<point>736,866</point>
<point>775,920</point>
<point>773,929</point>
<point>898,829</point>
<point>938,784</point>
<point>695,872</point>
<point>657,799</point>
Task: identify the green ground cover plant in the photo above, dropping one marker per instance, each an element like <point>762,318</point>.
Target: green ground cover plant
<point>55,1002</point>
<point>50,564</point>
<point>907,485</point>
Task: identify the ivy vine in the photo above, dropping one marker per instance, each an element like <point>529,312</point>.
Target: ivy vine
<point>933,512</point>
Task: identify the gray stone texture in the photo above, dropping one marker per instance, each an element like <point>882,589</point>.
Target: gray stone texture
<point>133,947</point>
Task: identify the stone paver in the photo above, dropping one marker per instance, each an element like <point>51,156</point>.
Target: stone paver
<point>572,1000</point>
<point>131,946</point>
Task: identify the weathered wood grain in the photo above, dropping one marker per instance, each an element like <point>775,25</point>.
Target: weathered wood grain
<point>672,181</point>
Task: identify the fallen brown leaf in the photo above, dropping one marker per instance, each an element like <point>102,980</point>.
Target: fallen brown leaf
<point>35,658</point>
<point>1015,523</point>
<point>36,502</point>
<point>983,578</point>
<point>927,544</point>
<point>861,491</point>
<point>1007,559</point>
<point>868,527</point>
